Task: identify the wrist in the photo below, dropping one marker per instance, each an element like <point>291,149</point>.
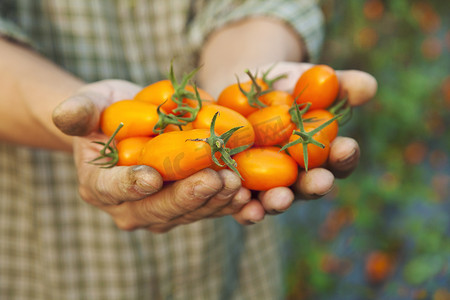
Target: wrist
<point>33,87</point>
<point>246,44</point>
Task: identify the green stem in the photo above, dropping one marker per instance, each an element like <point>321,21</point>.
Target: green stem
<point>270,82</point>
<point>305,138</point>
<point>218,144</point>
<point>108,151</point>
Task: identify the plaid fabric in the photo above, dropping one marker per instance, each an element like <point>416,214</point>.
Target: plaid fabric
<point>55,246</point>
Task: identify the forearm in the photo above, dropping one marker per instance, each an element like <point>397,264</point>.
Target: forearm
<point>246,45</point>
<point>30,88</point>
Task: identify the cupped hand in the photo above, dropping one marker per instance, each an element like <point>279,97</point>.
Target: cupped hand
<point>358,88</point>
<point>136,196</point>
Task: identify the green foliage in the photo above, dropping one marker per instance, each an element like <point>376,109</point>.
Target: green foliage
<point>399,195</point>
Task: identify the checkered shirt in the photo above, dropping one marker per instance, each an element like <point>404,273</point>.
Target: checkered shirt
<point>54,246</point>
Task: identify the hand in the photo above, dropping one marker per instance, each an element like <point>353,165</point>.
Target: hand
<point>135,196</point>
<point>358,87</point>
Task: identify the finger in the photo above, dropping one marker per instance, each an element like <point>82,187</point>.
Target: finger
<point>79,115</point>
<point>241,198</point>
<point>76,116</point>
<point>276,200</point>
<point>231,184</point>
<point>251,213</point>
<point>314,184</point>
<point>357,86</point>
<point>344,156</point>
<point>170,203</point>
<point>112,186</point>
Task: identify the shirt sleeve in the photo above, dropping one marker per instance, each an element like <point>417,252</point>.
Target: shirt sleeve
<point>304,16</point>
<point>9,29</point>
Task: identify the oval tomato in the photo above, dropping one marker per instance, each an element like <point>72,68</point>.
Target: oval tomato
<point>233,98</point>
<point>158,92</point>
<point>204,96</point>
<point>161,92</point>
<point>272,125</point>
<point>226,120</point>
<point>138,118</point>
<point>318,85</point>
<point>129,150</point>
<point>315,118</point>
<point>173,127</point>
<point>317,156</point>
<point>277,97</point>
<point>264,168</point>
<point>175,156</point>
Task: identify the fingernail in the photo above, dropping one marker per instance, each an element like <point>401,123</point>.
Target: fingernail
<point>325,193</point>
<point>203,191</point>
<point>347,158</point>
<point>144,185</point>
<point>144,180</point>
<point>277,211</point>
<point>255,221</point>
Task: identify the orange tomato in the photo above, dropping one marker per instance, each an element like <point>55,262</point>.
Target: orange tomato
<point>129,150</point>
<point>264,168</point>
<point>226,120</point>
<point>317,117</point>
<point>174,156</point>
<point>233,98</point>
<point>160,91</point>
<point>277,97</point>
<point>317,156</point>
<point>318,85</point>
<point>272,125</point>
<point>173,127</point>
<point>204,95</point>
<point>138,118</point>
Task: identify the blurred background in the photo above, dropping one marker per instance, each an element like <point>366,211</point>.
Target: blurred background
<point>384,232</point>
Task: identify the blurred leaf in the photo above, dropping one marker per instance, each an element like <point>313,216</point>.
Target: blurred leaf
<point>423,268</point>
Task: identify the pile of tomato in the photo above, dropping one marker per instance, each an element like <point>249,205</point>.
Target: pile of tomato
<point>263,134</point>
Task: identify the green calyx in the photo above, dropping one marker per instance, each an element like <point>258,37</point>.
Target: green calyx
<point>254,93</point>
<point>183,113</point>
<point>270,82</point>
<point>218,144</point>
<point>305,138</point>
<point>256,90</point>
<point>343,109</point>
<point>109,152</point>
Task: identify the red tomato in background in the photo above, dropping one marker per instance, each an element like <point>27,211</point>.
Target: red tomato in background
<point>272,125</point>
<point>138,118</point>
<point>129,150</point>
<point>379,265</point>
<point>318,85</point>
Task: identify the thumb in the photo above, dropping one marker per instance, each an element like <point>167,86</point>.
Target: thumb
<point>113,186</point>
<point>357,86</point>
<point>79,115</point>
